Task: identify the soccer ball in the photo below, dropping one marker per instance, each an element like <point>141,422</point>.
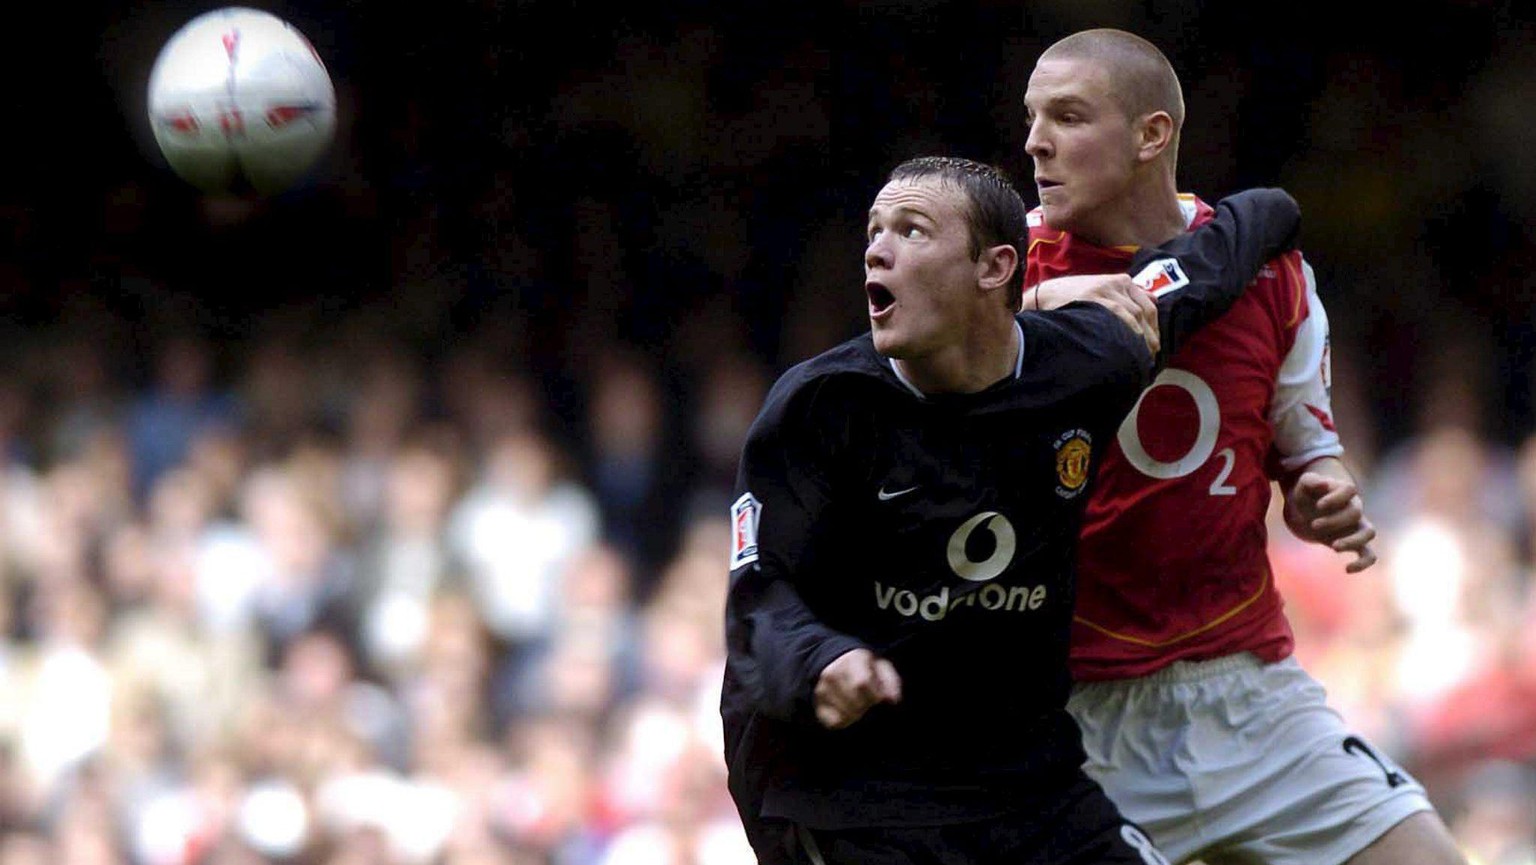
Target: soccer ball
<point>240,101</point>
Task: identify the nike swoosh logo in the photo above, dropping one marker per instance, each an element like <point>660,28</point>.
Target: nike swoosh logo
<point>885,496</point>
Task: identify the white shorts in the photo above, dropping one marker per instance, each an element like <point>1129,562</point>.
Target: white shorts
<point>1238,761</point>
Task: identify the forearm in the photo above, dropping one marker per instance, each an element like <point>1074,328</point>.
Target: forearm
<point>778,646</point>
<point>1059,291</point>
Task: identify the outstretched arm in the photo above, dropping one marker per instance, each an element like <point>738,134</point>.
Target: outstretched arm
<point>1178,287</point>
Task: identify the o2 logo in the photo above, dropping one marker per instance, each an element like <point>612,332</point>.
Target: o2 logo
<point>1209,412</point>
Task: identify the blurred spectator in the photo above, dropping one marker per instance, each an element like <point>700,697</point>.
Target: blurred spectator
<point>203,679</point>
<point>278,399</point>
<point>25,848</point>
<point>405,558</point>
<point>516,529</point>
<point>1459,729</point>
<point>727,400</point>
<point>485,398</point>
<point>635,475</point>
<point>16,445</point>
<point>588,664</point>
<point>280,569</point>
<point>181,403</point>
<point>85,402</point>
<point>381,414</point>
<point>1495,822</point>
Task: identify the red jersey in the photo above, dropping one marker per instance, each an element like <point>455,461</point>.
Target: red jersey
<point>1172,562</point>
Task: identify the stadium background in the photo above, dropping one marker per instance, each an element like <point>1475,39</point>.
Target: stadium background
<point>383,522</point>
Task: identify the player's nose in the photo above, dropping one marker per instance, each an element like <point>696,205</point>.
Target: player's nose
<point>877,254</point>
<point>1038,145</point>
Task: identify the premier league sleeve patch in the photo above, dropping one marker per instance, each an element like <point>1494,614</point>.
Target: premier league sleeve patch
<point>1161,276</point>
<point>744,516</point>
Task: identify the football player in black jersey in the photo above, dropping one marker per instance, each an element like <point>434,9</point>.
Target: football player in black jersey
<point>909,501</point>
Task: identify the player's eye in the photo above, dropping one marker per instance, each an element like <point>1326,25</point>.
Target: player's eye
<point>912,231</point>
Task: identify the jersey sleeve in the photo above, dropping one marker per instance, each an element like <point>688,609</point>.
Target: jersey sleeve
<point>1199,274</point>
<point>1080,347</point>
<point>776,645</point>
<point>1301,412</point>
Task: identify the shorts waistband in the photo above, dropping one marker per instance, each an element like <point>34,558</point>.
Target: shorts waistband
<point>1191,671</point>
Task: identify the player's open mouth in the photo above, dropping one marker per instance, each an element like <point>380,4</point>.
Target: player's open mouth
<point>1042,184</point>
<point>880,297</point>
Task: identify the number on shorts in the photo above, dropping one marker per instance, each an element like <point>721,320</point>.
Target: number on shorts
<point>1356,745</point>
<point>1138,839</point>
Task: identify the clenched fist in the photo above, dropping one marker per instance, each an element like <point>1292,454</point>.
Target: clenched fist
<point>851,685</point>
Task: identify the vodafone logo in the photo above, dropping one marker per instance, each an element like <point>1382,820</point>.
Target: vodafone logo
<point>979,572</point>
<point>991,597</point>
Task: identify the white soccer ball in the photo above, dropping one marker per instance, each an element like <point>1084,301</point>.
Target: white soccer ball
<point>240,100</point>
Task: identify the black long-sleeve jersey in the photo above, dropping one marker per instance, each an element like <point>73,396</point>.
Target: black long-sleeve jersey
<point>939,532</point>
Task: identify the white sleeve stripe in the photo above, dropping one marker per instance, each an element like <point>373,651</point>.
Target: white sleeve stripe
<point>1300,435</point>
<point>1306,355</point>
<point>1293,462</point>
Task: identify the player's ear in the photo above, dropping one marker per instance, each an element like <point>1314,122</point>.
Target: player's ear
<point>995,266</point>
<point>1154,135</point>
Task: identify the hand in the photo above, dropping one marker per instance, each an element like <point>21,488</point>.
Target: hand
<point>851,685</point>
<point>1328,510</point>
<point>1115,291</point>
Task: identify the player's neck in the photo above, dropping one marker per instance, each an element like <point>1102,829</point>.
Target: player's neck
<point>989,354</point>
<point>1149,216</point>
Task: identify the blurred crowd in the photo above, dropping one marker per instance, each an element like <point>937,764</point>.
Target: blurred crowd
<point>349,608</point>
<point>333,604</point>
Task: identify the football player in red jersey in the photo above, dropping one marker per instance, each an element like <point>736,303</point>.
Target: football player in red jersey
<point>1196,719</point>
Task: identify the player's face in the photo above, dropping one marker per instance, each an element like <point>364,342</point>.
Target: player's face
<point>1082,144</point>
<point>919,276</point>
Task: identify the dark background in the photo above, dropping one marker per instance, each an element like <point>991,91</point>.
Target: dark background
<point>565,174</point>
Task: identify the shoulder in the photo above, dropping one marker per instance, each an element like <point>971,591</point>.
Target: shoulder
<point>1082,342</point>
<point>825,383</point>
<point>1077,327</point>
<point>1080,360</point>
<point>1290,281</point>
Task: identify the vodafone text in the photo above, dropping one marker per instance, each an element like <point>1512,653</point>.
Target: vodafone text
<point>991,597</point>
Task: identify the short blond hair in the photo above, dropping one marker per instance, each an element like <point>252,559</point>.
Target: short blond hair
<point>1140,77</point>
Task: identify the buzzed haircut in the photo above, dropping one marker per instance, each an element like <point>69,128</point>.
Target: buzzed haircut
<point>994,211</point>
<point>1141,78</point>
